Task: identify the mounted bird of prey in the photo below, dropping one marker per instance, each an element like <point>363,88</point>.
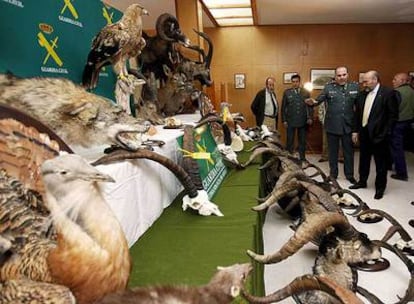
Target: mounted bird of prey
<point>115,44</point>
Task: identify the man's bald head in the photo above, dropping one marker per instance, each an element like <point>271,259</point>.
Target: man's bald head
<point>370,79</point>
<point>400,79</point>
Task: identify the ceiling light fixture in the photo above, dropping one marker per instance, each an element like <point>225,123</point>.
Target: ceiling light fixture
<point>229,12</point>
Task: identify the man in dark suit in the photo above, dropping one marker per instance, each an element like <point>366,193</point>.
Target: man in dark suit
<point>296,115</point>
<point>376,112</point>
<point>265,106</point>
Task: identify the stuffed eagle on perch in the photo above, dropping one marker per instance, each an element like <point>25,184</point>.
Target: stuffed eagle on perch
<point>115,44</point>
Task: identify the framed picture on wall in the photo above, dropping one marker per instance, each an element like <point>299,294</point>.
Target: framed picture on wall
<point>320,77</point>
<point>239,81</point>
<point>287,76</point>
<point>361,77</point>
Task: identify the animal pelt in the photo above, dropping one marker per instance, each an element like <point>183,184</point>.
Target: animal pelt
<point>80,118</point>
<point>225,285</point>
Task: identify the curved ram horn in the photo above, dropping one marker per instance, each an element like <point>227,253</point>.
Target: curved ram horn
<point>324,198</point>
<point>307,283</point>
<point>288,175</point>
<point>409,294</point>
<point>160,23</point>
<point>361,204</point>
<point>313,226</point>
<point>373,299</point>
<point>215,118</point>
<point>169,22</point>
<point>270,162</point>
<point>276,194</point>
<point>178,171</point>
<point>209,118</point>
<point>259,151</point>
<point>404,234</point>
<point>319,171</point>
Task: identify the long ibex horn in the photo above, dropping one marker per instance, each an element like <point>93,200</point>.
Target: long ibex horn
<point>313,226</point>
<point>176,169</point>
<point>306,283</point>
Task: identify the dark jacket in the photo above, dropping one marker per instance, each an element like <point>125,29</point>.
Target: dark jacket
<point>339,101</point>
<point>294,109</point>
<point>258,107</point>
<point>383,115</point>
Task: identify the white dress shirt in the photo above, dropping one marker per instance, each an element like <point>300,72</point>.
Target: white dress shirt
<point>369,101</point>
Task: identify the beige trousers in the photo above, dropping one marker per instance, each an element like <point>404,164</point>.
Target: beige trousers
<point>270,123</point>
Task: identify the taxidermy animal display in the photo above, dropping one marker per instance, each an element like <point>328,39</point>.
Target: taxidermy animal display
<point>329,289</point>
<point>78,243</point>
<point>80,118</point>
<point>159,49</point>
<point>307,283</point>
<point>339,251</point>
<point>115,44</point>
<point>224,286</point>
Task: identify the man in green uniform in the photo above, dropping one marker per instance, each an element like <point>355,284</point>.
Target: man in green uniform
<point>296,115</point>
<point>339,97</point>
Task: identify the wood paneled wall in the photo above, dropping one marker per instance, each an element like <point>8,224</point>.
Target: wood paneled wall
<point>273,50</point>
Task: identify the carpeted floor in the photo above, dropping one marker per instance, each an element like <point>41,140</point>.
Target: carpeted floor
<point>185,248</point>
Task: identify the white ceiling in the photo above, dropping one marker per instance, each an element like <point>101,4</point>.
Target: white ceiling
<point>273,12</point>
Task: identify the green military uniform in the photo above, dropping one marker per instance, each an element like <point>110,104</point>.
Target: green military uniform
<point>339,101</point>
<point>296,113</point>
<point>294,109</point>
<point>339,123</point>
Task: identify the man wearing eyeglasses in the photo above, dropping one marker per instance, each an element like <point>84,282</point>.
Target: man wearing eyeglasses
<point>339,97</point>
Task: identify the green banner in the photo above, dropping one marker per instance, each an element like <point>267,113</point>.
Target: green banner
<point>212,169</point>
<point>52,38</point>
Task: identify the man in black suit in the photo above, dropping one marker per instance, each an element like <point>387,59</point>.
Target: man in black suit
<point>265,106</point>
<point>376,112</point>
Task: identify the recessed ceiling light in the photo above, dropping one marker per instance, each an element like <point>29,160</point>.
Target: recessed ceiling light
<point>230,12</point>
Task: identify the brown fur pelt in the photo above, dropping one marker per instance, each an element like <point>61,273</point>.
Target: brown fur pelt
<point>225,285</point>
<point>80,118</point>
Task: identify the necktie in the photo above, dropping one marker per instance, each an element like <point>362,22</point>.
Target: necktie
<point>369,100</point>
<point>274,103</point>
